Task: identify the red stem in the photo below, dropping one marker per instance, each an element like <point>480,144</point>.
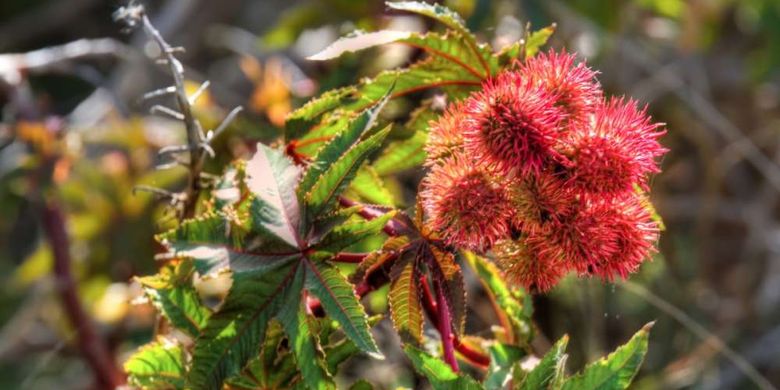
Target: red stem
<point>92,347</point>
<point>347,257</point>
<point>445,326</point>
<point>429,305</point>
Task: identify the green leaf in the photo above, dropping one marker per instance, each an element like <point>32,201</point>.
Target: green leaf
<point>175,297</point>
<point>404,299</point>
<point>616,371</point>
<point>358,41</point>
<point>353,232</point>
<point>302,341</point>
<point>546,373</point>
<point>503,358</point>
<point>272,178</point>
<point>157,365</point>
<point>537,39</point>
<point>453,47</point>
<point>336,178</point>
<point>435,11</point>
<point>438,373</point>
<point>407,153</point>
<point>301,120</point>
<point>369,187</point>
<point>340,302</point>
<point>234,334</point>
<point>337,147</point>
<point>515,305</point>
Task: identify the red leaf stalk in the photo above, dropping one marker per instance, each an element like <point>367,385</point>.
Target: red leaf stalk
<point>445,327</point>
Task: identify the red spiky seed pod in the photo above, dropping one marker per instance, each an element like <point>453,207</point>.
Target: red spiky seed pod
<point>465,204</point>
<point>540,198</point>
<point>615,151</point>
<point>512,125</point>
<point>445,135</point>
<point>572,83</point>
<point>608,238</point>
<point>530,263</point>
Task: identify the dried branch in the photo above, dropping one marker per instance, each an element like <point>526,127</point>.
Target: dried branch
<point>198,143</point>
<point>91,345</point>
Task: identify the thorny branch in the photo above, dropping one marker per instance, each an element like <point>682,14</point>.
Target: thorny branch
<point>198,143</point>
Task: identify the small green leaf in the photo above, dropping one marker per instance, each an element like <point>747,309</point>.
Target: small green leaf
<point>503,358</point>
<point>339,301</point>
<point>537,39</point>
<point>301,338</point>
<point>438,373</point>
<point>157,365</point>
<point>615,371</point>
<point>404,299</point>
<point>336,178</point>
<point>549,368</point>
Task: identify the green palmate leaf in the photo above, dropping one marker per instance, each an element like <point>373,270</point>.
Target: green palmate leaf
<point>325,192</point>
<point>301,120</point>
<point>404,299</point>
<point>353,232</point>
<point>339,301</point>
<point>438,12</point>
<point>407,153</point>
<point>369,187</point>
<point>171,292</point>
<point>547,372</point>
<point>338,146</point>
<point>615,371</point>
<point>452,47</point>
<point>515,305</point>
<point>503,358</point>
<point>272,178</point>
<point>438,373</point>
<point>157,365</point>
<point>234,334</point>
<point>302,340</point>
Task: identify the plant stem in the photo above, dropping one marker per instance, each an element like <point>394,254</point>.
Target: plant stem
<point>474,357</point>
<point>92,347</point>
<point>347,257</point>
<point>445,326</point>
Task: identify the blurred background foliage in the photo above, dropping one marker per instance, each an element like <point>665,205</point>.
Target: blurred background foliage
<point>78,134</point>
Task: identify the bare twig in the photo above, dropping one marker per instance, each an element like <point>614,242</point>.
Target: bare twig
<point>92,346</point>
<point>198,146</point>
<point>14,66</point>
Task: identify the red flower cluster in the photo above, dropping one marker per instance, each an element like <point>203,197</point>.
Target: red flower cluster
<point>544,171</point>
